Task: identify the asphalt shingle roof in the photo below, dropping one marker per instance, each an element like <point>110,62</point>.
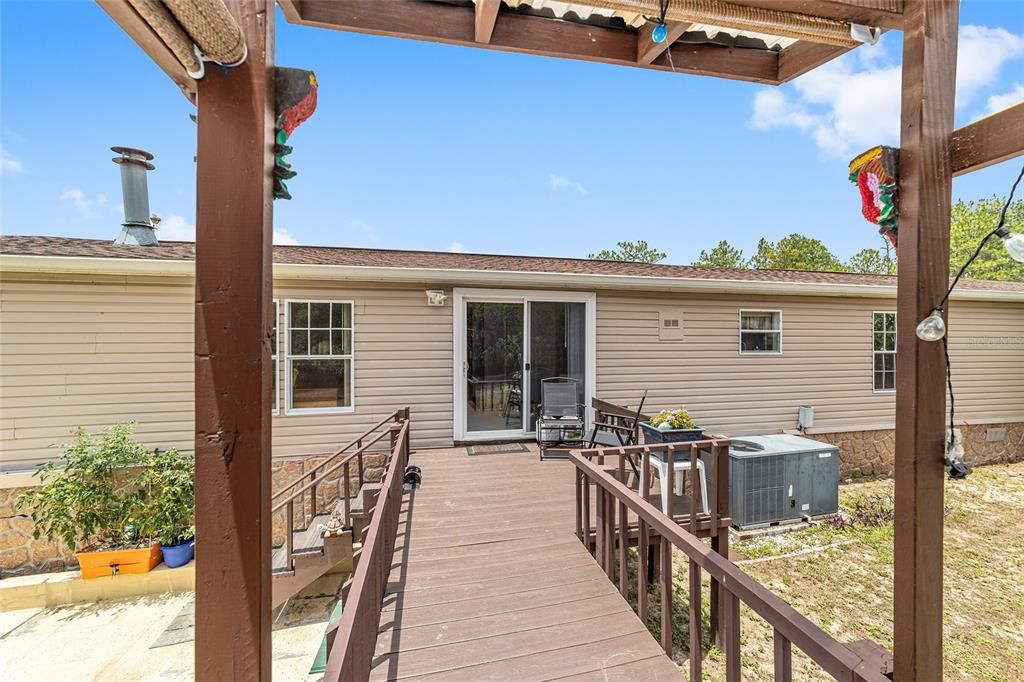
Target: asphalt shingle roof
<point>392,258</point>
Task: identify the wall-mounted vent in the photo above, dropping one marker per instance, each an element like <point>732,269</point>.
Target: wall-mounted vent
<point>670,324</point>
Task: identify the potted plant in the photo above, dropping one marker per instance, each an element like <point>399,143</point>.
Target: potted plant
<point>671,426</point>
<point>168,480</point>
<point>93,502</point>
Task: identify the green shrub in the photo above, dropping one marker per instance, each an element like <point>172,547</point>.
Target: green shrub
<point>92,498</point>
<point>110,492</point>
<point>169,482</point>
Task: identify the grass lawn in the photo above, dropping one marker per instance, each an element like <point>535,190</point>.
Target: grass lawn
<point>841,578</point>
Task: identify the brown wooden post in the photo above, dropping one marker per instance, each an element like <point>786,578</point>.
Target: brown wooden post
<point>232,367</point>
<point>925,186</point>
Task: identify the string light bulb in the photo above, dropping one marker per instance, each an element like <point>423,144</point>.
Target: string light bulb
<point>933,327</point>
<point>1014,244</point>
<point>660,33</point>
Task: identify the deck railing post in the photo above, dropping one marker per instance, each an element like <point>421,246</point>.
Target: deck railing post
<point>643,542</point>
<point>599,526</point>
<point>695,622</point>
<point>312,492</point>
<point>586,512</point>
<point>783,659</point>
<point>623,550</point>
<point>694,454</point>
<point>670,481</point>
<point>666,595</point>
<point>732,633</point>
<point>578,476</point>
<point>347,499</point>
<point>289,533</point>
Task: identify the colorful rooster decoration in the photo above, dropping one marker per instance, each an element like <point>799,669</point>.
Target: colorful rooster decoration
<point>295,96</point>
<point>875,172</point>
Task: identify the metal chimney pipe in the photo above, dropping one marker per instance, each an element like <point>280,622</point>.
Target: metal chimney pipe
<point>137,229</point>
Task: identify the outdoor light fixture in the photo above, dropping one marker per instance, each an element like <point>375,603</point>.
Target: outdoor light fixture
<point>1014,243</point>
<point>933,327</point>
<point>436,297</point>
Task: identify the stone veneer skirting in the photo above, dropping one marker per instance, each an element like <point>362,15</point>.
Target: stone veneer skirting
<point>871,453</point>
<point>861,454</point>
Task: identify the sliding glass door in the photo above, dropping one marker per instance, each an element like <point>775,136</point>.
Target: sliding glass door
<point>506,346</point>
<point>494,366</point>
<point>558,348</point>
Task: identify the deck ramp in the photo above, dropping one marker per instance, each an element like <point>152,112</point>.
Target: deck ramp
<point>490,583</point>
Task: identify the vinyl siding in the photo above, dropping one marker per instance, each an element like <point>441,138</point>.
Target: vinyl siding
<point>94,350</point>
<point>825,361</point>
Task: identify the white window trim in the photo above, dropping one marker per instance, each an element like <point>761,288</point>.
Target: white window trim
<point>288,409</point>
<point>740,330</point>
<point>275,352</point>
<point>896,320</point>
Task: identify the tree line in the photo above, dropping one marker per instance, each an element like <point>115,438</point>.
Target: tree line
<point>970,222</point>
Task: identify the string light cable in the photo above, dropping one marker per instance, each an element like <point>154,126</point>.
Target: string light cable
<point>933,327</point>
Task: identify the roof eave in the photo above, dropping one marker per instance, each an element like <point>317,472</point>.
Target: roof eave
<point>411,275</point>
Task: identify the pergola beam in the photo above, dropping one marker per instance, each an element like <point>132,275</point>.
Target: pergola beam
<point>234,223</point>
<point>925,193</point>
<point>802,56</point>
<point>456,25</point>
<point>988,141</point>
<point>647,50</point>
<point>486,15</point>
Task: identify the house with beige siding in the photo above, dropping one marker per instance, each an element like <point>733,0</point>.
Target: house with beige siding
<point>95,333</point>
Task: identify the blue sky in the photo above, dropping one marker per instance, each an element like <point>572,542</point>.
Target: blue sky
<point>420,145</point>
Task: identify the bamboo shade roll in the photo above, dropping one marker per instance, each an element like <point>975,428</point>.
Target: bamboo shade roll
<point>727,15</point>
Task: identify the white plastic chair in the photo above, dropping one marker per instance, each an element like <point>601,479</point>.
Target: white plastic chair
<point>680,464</point>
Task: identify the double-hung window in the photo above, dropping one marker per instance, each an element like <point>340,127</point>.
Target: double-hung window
<point>318,362</point>
<point>760,332</point>
<point>883,354</point>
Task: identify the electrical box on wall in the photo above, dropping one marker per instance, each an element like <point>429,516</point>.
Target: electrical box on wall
<point>670,324</point>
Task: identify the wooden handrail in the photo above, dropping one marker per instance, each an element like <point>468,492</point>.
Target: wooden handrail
<point>790,626</point>
<point>393,417</point>
<point>296,490</point>
<point>352,640</point>
<point>326,472</point>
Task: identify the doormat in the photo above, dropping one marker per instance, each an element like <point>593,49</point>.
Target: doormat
<point>496,449</point>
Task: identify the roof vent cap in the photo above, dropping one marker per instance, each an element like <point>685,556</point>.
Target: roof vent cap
<point>137,228</point>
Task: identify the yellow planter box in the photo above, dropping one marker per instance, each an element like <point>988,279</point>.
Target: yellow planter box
<point>118,561</point>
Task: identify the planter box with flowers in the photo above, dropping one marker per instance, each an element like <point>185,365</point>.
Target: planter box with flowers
<point>671,426</point>
<point>114,501</point>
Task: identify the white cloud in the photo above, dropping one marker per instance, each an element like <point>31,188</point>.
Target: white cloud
<point>981,53</point>
<point>284,237</point>
<point>84,203</point>
<point>175,228</point>
<point>457,247</point>
<point>1006,99</point>
<point>8,164</point>
<point>558,182</point>
<point>853,102</point>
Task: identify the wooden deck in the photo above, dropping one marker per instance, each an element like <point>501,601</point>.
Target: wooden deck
<point>489,581</point>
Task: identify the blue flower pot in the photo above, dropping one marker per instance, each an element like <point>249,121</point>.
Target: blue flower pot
<point>179,554</point>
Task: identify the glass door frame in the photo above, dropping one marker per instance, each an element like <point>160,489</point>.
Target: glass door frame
<point>462,296</point>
